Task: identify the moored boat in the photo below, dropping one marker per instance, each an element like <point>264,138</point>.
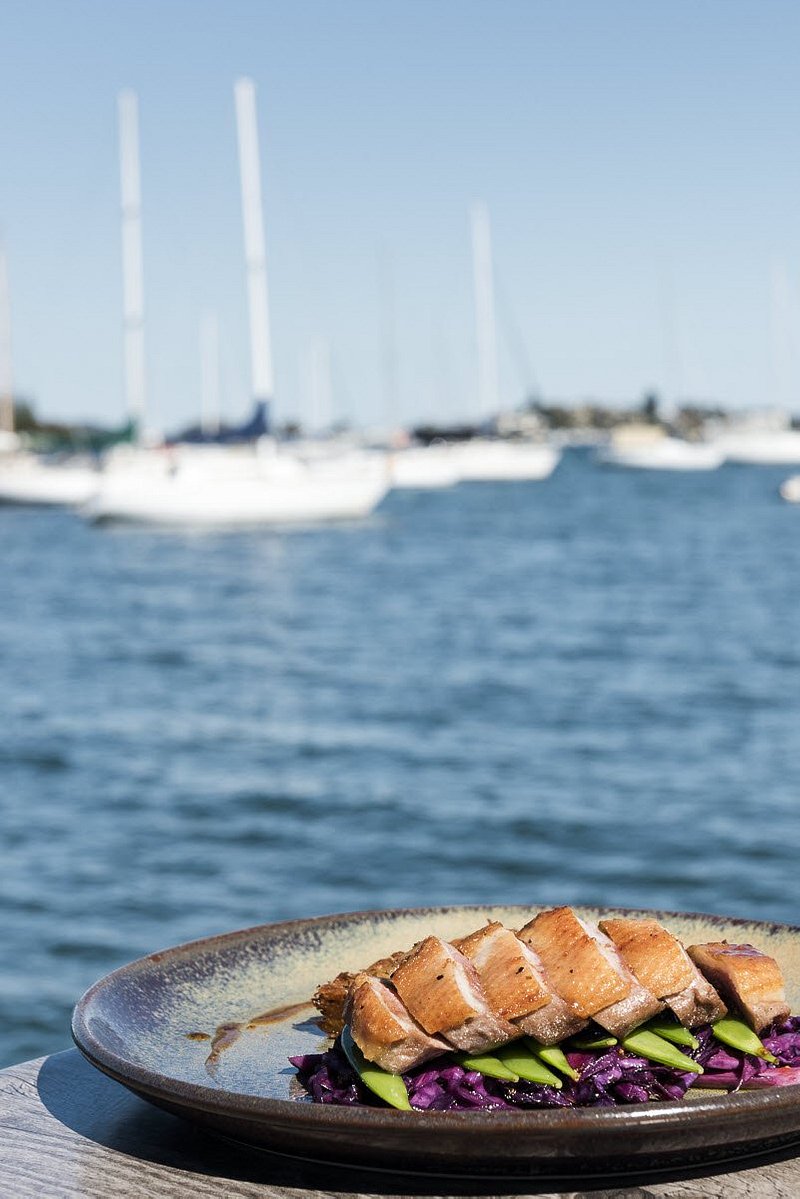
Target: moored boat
<point>483,460</point>
<point>646,448</point>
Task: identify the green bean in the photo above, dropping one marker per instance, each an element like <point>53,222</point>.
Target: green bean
<point>670,1030</point>
<point>593,1042</point>
<point>553,1055</point>
<point>656,1049</point>
<point>740,1036</point>
<point>528,1065</point>
<point>388,1087</point>
<point>487,1064</point>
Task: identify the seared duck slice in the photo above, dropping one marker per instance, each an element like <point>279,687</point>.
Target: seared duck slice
<point>660,963</point>
<point>556,1020</point>
<point>697,1004</point>
<point>574,964</point>
<point>653,955</point>
<point>329,998</point>
<point>587,971</point>
<point>383,1029</point>
<point>510,979</point>
<point>639,1005</point>
<point>441,989</point>
<point>513,979</point>
<point>747,978</point>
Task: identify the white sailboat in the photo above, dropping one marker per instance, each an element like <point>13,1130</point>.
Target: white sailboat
<point>423,468</point>
<point>263,483</point>
<point>484,459</point>
<point>25,477</point>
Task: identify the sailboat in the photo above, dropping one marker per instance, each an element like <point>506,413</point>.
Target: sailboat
<point>261,481</point>
<point>482,459</point>
<point>25,477</point>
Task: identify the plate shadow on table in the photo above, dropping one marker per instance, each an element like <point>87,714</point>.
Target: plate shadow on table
<point>104,1112</point>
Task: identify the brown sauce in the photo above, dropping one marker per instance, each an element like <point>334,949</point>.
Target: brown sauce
<point>228,1034</point>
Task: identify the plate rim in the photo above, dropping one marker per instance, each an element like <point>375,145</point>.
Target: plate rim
<point>587,1121</point>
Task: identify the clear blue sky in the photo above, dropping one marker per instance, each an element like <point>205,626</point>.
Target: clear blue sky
<point>640,161</point>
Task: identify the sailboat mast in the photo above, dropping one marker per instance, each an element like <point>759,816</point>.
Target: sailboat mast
<point>254,248</point>
<point>209,368</point>
<point>488,386</point>
<point>321,415</point>
<point>6,379</point>
<point>132,272</point>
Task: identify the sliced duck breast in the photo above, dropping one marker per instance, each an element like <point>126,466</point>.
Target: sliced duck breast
<point>574,965</point>
<point>585,968</point>
<point>653,955</point>
<point>511,982</point>
<point>556,1020</point>
<point>329,998</point>
<point>441,989</point>
<point>697,1004</point>
<point>383,1030</point>
<point>660,963</point>
<point>748,979</point>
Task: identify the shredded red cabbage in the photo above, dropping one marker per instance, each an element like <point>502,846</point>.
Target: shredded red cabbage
<point>608,1078</point>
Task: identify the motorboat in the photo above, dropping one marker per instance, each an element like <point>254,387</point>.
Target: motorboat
<point>650,448</point>
<point>770,447</point>
<point>484,460</point>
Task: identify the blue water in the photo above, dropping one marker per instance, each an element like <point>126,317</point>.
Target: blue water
<point>586,689</point>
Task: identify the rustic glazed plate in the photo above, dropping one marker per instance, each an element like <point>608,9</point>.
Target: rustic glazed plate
<point>205,1030</point>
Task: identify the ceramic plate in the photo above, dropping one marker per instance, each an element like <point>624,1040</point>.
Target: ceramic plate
<point>205,1030</point>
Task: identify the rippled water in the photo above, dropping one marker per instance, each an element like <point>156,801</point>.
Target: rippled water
<point>586,689</point>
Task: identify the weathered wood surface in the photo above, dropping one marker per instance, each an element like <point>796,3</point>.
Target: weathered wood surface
<point>66,1131</point>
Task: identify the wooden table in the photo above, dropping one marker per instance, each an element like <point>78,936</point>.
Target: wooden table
<point>67,1131</point>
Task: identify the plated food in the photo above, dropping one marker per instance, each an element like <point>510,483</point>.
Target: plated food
<point>561,1012</point>
<point>142,1025</point>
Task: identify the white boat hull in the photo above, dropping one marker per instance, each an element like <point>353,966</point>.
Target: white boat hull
<point>484,461</point>
<point>668,453</point>
<point>780,448</point>
<point>423,469</point>
<point>232,489</point>
<point>27,480</point>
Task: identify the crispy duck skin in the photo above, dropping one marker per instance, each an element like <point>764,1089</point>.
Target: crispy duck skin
<point>575,966</point>
<point>441,989</point>
<point>511,982</point>
<point>513,979</point>
<point>660,963</point>
<point>638,1006</point>
<point>748,979</point>
<point>653,955</point>
<point>383,1029</point>
<point>556,1020</point>
<point>329,998</point>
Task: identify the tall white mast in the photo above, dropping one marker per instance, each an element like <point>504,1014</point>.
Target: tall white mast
<point>488,386</point>
<point>321,408</point>
<point>209,368</point>
<point>254,250</point>
<point>6,378</point>
<point>132,274</point>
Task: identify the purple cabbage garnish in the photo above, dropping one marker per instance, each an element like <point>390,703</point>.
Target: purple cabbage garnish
<point>608,1078</point>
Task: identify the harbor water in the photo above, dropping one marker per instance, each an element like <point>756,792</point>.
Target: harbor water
<point>585,689</point>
